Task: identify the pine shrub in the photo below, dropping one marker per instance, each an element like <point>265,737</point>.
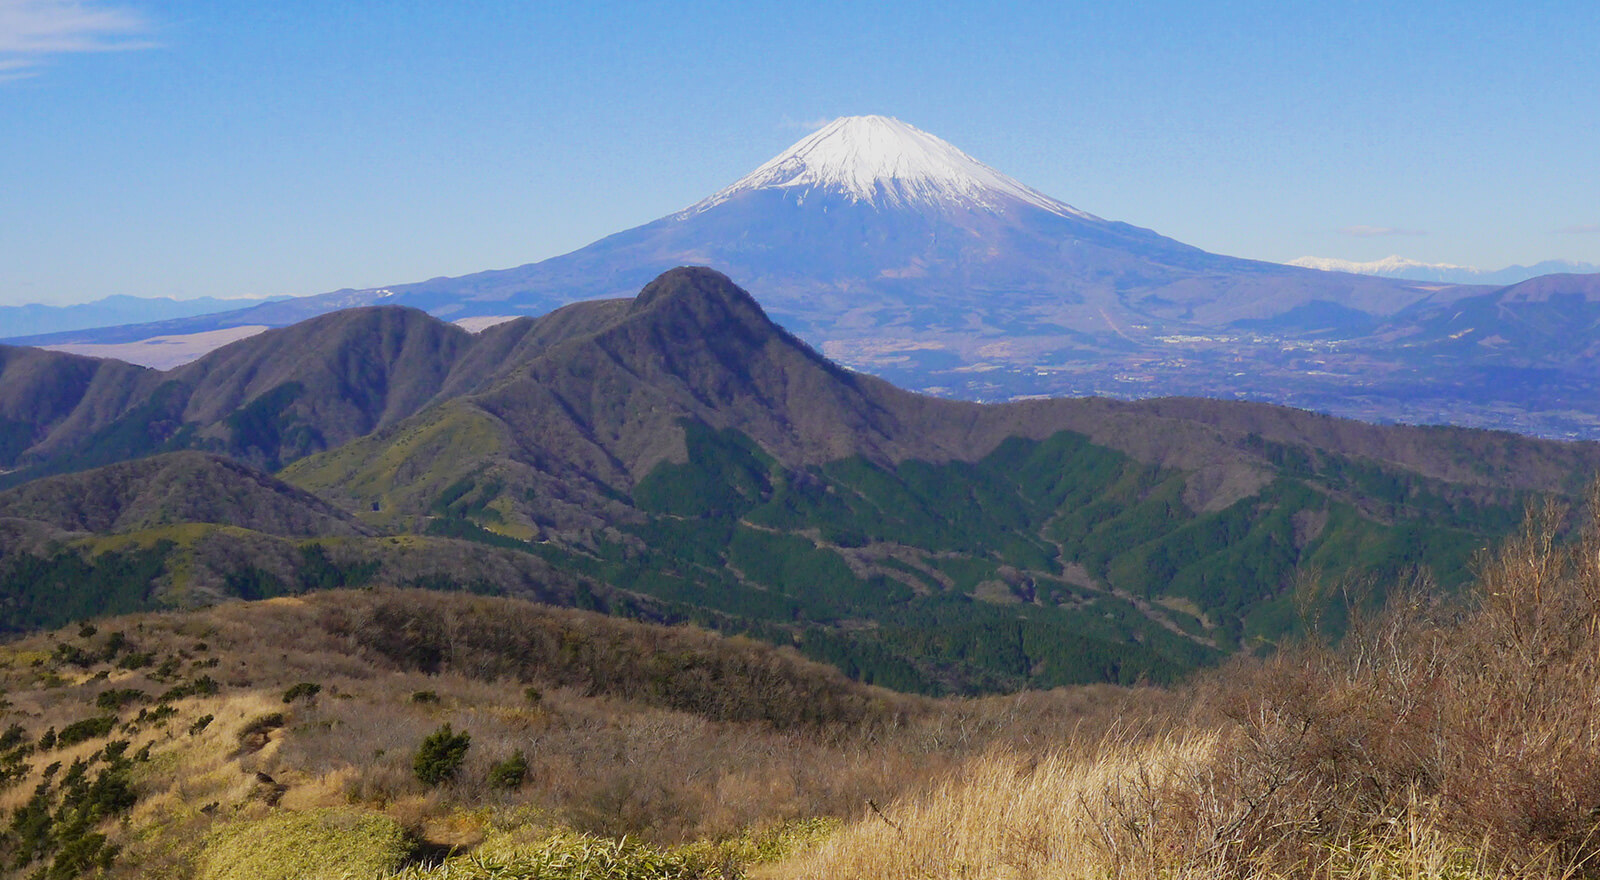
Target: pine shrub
<point>304,689</point>
<point>439,757</point>
<point>510,773</point>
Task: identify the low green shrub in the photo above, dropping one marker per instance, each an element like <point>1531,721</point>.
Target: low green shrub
<point>510,773</point>
<point>304,689</point>
<point>85,730</point>
<point>14,736</point>
<point>439,757</point>
<point>116,698</point>
<point>204,686</point>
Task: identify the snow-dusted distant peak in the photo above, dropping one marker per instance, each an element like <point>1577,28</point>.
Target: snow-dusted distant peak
<point>1416,270</point>
<point>1386,266</point>
<point>887,163</point>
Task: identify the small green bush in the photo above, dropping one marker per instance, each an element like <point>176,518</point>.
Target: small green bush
<point>510,773</point>
<point>116,698</point>
<point>157,716</point>
<point>425,697</point>
<point>85,730</point>
<point>204,686</point>
<point>168,670</point>
<point>440,755</point>
<point>14,768</point>
<point>55,827</point>
<point>302,689</point>
<point>14,736</point>
<point>136,660</point>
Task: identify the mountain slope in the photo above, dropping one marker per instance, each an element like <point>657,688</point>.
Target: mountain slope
<point>694,345</point>
<point>349,372</point>
<point>38,320</point>
<point>181,487</point>
<point>267,399</point>
<point>873,225</point>
<point>692,451</point>
<point>45,394</point>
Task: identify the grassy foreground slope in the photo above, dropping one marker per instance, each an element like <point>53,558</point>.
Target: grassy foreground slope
<point>280,739</point>
<point>414,734</point>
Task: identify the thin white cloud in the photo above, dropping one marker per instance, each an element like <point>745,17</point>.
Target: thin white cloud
<point>1377,231</point>
<point>803,124</point>
<point>33,30</point>
<point>13,68</point>
<point>1580,229</point>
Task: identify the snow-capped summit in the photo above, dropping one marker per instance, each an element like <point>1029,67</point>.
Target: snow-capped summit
<point>886,163</point>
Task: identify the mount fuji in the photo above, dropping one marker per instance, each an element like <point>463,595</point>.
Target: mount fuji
<point>872,229</point>
<point>894,252</point>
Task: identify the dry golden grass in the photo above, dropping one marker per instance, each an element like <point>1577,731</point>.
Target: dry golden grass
<point>1437,741</point>
<point>1007,815</point>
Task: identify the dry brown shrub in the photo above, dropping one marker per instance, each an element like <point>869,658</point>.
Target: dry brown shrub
<point>1478,723</point>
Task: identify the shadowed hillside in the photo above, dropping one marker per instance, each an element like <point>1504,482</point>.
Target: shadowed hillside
<point>264,400</point>
<point>179,487</point>
<point>46,393</point>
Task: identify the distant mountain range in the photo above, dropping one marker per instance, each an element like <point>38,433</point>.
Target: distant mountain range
<point>678,456</point>
<point>893,252</point>
<point>38,320</point>
<point>1415,270</point>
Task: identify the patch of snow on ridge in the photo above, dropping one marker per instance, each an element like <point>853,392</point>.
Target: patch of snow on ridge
<point>887,163</point>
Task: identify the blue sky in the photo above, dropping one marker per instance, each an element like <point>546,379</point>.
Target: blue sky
<point>167,147</point>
